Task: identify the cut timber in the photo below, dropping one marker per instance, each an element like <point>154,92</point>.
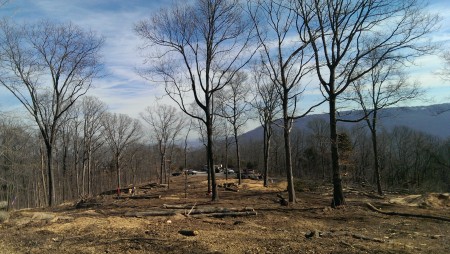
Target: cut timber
<point>151,213</point>
<point>145,197</point>
<point>188,232</point>
<point>226,214</point>
<point>229,187</point>
<point>221,210</point>
<point>178,206</point>
<point>114,192</point>
<point>149,186</point>
<point>373,208</point>
<point>211,212</point>
<point>225,185</point>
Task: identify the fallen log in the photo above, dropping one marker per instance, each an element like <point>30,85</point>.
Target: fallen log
<point>231,189</point>
<point>114,192</point>
<point>211,212</point>
<point>149,186</point>
<point>188,232</point>
<point>145,197</point>
<point>225,214</point>
<point>425,216</point>
<point>221,210</point>
<point>230,185</point>
<point>177,206</point>
<point>151,213</point>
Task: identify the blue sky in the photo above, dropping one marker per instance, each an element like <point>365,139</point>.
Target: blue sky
<point>122,89</point>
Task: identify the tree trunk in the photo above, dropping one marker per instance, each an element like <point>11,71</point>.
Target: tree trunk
<point>338,193</point>
<point>118,174</point>
<point>44,186</point>
<point>266,155</point>
<point>376,163</point>
<point>209,156</point>
<point>373,131</point>
<point>226,157</point>
<point>287,149</point>
<point>289,175</point>
<point>64,169</point>
<point>89,171</point>
<point>238,157</point>
<point>50,176</point>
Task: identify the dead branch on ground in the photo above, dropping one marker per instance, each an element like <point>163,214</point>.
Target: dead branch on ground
<point>425,216</point>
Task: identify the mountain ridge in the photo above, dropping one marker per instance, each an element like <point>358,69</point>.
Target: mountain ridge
<point>431,119</point>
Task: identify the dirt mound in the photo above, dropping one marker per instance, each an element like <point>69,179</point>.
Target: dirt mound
<point>434,200</point>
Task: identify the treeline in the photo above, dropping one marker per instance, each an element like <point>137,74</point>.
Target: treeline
<point>91,149</point>
<point>85,161</point>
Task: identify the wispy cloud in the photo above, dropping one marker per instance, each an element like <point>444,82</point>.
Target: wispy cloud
<point>122,88</point>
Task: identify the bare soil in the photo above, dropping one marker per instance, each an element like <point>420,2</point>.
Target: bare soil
<point>105,224</point>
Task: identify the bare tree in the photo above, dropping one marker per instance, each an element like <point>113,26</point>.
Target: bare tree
<point>92,110</point>
<point>47,67</point>
<point>320,135</point>
<point>286,62</point>
<point>227,143</point>
<point>203,45</point>
<point>234,108</point>
<point>66,148</point>
<point>120,132</point>
<point>165,124</point>
<point>344,33</point>
<point>186,143</point>
<point>266,102</point>
<point>384,86</point>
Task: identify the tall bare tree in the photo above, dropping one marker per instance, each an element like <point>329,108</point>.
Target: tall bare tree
<point>202,45</point>
<point>266,102</point>
<point>234,107</point>
<point>92,110</point>
<point>166,124</point>
<point>343,33</point>
<point>286,62</point>
<point>120,132</point>
<point>384,86</point>
<point>47,67</point>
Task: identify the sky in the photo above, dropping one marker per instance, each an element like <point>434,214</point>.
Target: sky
<point>123,90</point>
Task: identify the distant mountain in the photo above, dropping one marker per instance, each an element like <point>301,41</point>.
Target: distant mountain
<point>432,119</point>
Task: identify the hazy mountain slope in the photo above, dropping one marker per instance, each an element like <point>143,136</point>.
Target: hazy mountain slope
<point>432,119</point>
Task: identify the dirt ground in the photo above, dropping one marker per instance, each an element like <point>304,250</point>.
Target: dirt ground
<point>106,224</point>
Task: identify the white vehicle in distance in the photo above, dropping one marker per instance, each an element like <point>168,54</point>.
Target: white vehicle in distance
<point>229,170</point>
<point>191,172</point>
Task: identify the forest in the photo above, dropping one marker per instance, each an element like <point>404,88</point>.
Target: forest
<point>224,64</point>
